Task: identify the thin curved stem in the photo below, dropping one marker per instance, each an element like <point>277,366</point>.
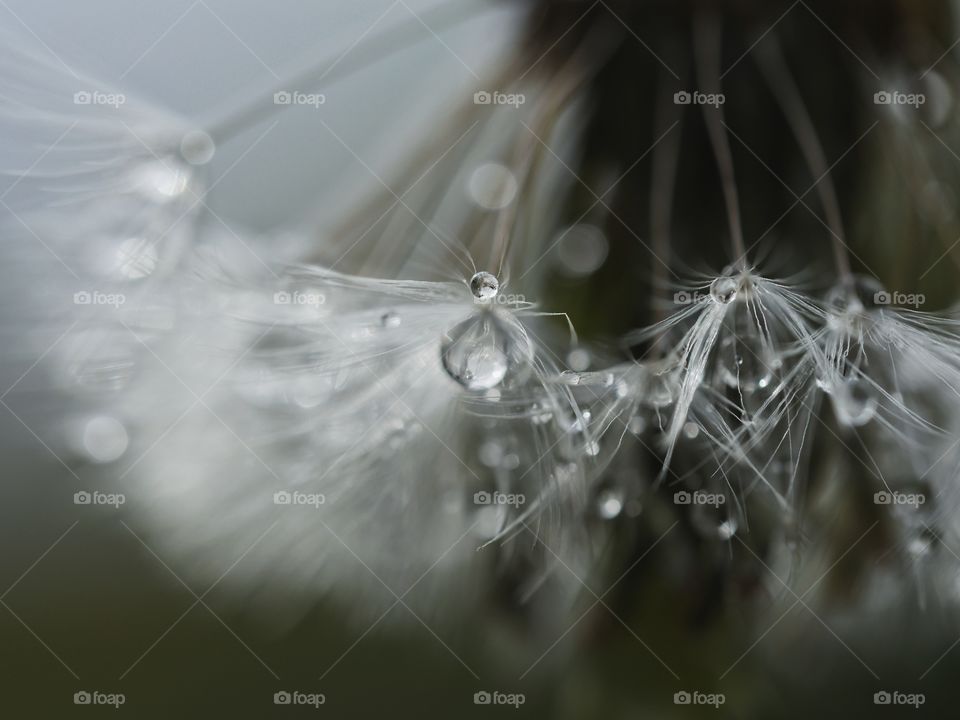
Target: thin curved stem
<point>707,37</point>
<point>785,90</point>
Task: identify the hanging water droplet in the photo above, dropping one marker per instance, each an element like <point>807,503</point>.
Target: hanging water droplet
<point>637,425</point>
<point>578,359</point>
<point>486,350</point>
<point>484,286</point>
<point>724,290</point>
<point>855,402</point>
<point>747,362</point>
<point>691,430</point>
<point>610,503</point>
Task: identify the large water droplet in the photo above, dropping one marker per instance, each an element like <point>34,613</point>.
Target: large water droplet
<point>485,351</point>
<point>484,286</point>
<point>724,290</point>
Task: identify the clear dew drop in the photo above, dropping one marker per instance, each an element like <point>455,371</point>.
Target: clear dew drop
<point>485,351</point>
<point>484,286</point>
<point>724,290</point>
<point>609,503</point>
<point>746,362</point>
<point>691,430</point>
<point>855,402</point>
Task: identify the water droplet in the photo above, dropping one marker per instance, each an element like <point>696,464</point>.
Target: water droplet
<point>747,361</point>
<point>484,286</point>
<point>637,425</point>
<point>486,350</point>
<point>609,503</point>
<point>724,290</point>
<point>855,402</point>
<point>104,439</point>
<point>578,359</point>
<point>691,430</point>
<point>390,319</point>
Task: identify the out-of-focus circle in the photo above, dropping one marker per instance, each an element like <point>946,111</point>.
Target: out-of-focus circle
<point>581,250</point>
<point>492,186</point>
<point>104,439</point>
<point>197,148</point>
